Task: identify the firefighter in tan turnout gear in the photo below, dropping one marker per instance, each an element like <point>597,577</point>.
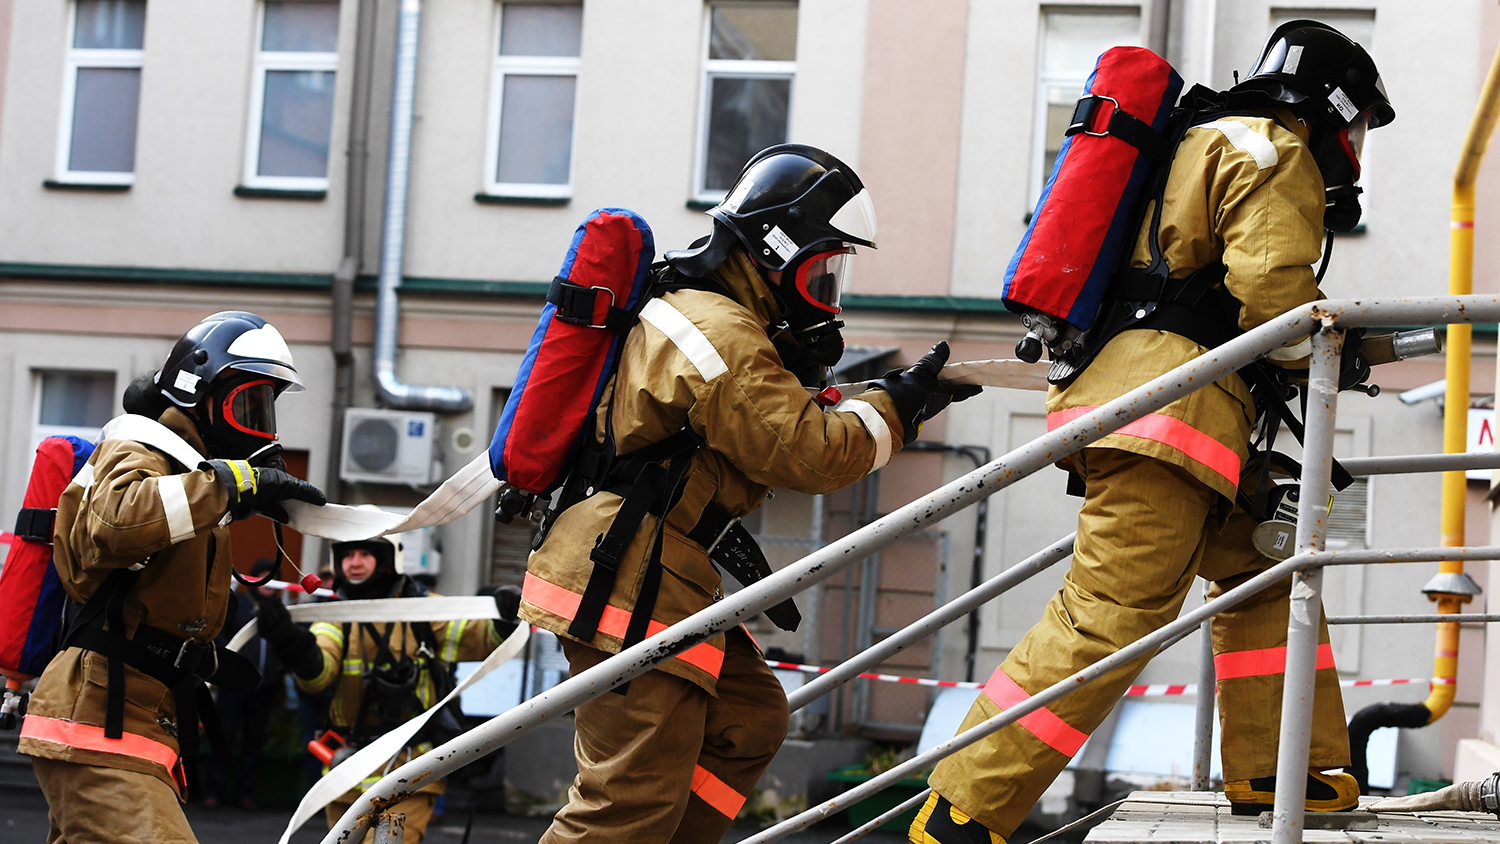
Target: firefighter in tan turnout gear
<point>1244,202</point>
<point>381,675</point>
<point>141,545</point>
<point>706,414</point>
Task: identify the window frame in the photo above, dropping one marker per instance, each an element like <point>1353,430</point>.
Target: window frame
<point>733,69</point>
<point>40,431</point>
<point>1036,179</point>
<point>80,58</point>
<point>268,61</point>
<point>502,66</point>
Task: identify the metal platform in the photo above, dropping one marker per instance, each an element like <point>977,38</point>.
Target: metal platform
<point>1188,817</point>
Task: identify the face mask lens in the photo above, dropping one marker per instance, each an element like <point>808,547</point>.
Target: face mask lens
<point>1356,134</point>
<point>820,279</point>
<point>251,408</point>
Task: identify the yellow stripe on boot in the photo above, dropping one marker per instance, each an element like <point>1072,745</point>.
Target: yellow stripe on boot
<point>941,822</point>
<point>1325,793</point>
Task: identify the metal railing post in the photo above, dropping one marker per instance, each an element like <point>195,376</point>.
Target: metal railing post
<point>1203,728</point>
<point>1306,608</point>
<point>390,828</point>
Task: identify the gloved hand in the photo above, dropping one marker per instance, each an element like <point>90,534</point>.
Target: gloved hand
<point>255,489</point>
<point>296,647</point>
<point>919,395</point>
<point>508,602</point>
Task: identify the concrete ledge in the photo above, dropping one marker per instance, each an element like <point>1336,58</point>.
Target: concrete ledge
<point>1476,760</point>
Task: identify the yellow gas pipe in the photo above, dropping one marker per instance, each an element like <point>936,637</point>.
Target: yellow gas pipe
<point>1456,415</point>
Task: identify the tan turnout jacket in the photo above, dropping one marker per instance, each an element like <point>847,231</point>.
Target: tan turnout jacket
<point>704,360</point>
<point>1245,191</point>
<point>138,507</point>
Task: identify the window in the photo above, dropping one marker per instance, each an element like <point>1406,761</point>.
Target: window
<point>747,89</point>
<point>101,92</point>
<point>1071,44</point>
<point>533,97</point>
<point>73,403</point>
<point>291,98</point>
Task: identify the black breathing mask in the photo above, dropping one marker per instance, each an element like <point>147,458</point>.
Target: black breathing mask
<point>1337,155</point>
<point>808,294</point>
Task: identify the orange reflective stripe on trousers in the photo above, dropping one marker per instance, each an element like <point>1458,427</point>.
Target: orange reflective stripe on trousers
<point>561,602</point>
<point>716,793</point>
<point>1263,661</point>
<point>1169,431</point>
<point>1052,730</point>
<point>89,737</point>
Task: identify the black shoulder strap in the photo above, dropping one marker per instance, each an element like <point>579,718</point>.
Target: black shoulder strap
<point>651,484</point>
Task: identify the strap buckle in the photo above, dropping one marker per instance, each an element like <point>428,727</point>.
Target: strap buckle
<point>1085,112</point>
<point>577,308</point>
<point>186,654</point>
<point>602,556</point>
<point>34,524</point>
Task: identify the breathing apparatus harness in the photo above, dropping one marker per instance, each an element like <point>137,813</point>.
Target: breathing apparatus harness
<point>183,665</point>
<point>1200,308</point>
<point>649,480</point>
<point>388,683</point>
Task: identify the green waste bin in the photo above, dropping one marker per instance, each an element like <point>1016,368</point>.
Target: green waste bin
<point>878,804</point>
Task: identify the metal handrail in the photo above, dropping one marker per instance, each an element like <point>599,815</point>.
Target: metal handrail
<point>935,506</point>
<point>1145,645</point>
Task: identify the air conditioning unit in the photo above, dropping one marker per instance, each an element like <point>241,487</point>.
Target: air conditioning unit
<point>389,446</point>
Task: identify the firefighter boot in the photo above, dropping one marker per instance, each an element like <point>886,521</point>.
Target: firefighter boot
<point>941,822</point>
<point>1325,793</point>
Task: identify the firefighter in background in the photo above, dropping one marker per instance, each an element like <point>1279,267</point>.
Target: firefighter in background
<point>142,543</point>
<point>380,675</point>
<point>671,756</point>
<point>1245,202</point>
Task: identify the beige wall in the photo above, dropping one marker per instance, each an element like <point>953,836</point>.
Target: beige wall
<point>190,147</point>
<point>914,81</point>
<point>5,32</point>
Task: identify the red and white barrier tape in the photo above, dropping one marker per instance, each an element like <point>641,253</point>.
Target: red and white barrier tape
<point>1152,690</point>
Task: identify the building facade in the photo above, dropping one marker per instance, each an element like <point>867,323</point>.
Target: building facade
<point>164,159</point>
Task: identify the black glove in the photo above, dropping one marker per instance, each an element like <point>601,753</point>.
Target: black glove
<point>295,646</point>
<point>508,602</point>
<point>254,489</point>
<point>919,395</point>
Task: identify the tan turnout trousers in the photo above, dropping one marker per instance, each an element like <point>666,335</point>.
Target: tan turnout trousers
<point>669,762</point>
<point>89,803</point>
<point>1146,529</point>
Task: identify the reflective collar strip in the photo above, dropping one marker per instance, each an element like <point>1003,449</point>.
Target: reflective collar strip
<point>1262,662</point>
<point>1172,432</point>
<point>716,793</point>
<point>89,737</point>
<point>686,337</point>
<point>174,501</point>
<point>1052,730</point>
<point>875,424</point>
<point>1248,140</point>
<point>551,598</point>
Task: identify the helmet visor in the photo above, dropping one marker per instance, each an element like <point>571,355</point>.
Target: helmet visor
<point>251,408</point>
<point>820,279</point>
<point>285,374</point>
